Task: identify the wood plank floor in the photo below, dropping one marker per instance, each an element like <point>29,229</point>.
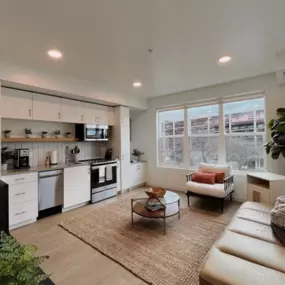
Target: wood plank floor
<point>74,262</point>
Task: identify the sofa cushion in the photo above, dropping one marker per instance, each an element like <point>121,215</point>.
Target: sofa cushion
<point>222,269</point>
<point>254,250</point>
<point>253,229</point>
<point>219,176</point>
<point>206,167</point>
<point>206,178</point>
<point>215,190</point>
<point>254,216</point>
<point>256,206</point>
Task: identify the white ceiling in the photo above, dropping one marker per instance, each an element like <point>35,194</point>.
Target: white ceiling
<point>107,41</point>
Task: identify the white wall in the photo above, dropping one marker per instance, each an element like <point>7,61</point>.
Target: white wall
<point>68,86</point>
<point>144,127</point>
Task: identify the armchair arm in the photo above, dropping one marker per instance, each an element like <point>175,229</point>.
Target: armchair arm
<point>229,184</point>
<point>189,176</point>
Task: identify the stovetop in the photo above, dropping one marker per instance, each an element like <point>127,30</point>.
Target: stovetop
<point>97,161</point>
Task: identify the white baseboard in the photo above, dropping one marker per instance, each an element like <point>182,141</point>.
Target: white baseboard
<point>12,227</point>
<point>74,207</point>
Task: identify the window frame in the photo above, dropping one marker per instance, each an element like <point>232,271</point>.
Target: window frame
<point>221,135</point>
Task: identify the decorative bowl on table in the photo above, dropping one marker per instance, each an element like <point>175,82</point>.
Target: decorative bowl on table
<point>155,192</point>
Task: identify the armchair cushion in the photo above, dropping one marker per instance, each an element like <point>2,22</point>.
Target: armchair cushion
<point>206,167</point>
<point>214,190</point>
<point>219,176</point>
<point>203,177</point>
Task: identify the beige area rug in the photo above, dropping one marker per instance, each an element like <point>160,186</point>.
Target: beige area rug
<point>171,259</point>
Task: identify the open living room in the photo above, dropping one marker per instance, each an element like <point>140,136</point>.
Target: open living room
<point>142,142</point>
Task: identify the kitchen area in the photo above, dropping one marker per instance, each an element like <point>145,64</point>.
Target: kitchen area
<point>59,154</point>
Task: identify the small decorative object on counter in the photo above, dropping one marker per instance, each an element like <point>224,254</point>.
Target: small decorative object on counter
<point>7,133</point>
<point>28,132</point>
<point>5,156</point>
<point>68,134</point>
<point>75,151</point>
<point>47,161</point>
<point>18,263</point>
<point>44,134</point>
<point>57,133</point>
<point>137,154</point>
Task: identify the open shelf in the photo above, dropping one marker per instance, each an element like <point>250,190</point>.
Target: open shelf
<point>22,139</point>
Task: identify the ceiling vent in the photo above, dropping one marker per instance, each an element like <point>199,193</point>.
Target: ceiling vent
<point>280,77</point>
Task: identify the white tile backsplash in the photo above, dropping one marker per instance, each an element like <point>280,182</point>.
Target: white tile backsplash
<point>39,151</point>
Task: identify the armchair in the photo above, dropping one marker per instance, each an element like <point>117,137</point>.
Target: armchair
<point>217,191</point>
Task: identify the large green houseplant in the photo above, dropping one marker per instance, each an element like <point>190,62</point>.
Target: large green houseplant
<point>277,127</point>
<point>18,263</point>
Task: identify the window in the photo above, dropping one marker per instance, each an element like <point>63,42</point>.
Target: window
<point>171,137</point>
<point>244,134</point>
<point>231,132</point>
<point>203,133</point>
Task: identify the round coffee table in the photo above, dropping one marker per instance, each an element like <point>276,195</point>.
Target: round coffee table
<point>169,206</point>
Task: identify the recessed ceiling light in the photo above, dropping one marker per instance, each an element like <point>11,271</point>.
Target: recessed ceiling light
<point>55,54</point>
<point>137,84</point>
<point>225,59</point>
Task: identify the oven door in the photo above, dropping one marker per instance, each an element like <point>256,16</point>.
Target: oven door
<point>96,133</point>
<point>103,175</point>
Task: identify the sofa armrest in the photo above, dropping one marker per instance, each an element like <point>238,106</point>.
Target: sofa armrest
<point>189,176</point>
<point>229,184</point>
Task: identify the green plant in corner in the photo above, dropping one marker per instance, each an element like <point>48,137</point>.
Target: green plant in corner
<point>277,127</point>
<point>18,263</point>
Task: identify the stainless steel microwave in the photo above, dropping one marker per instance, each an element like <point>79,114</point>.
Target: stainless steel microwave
<point>89,132</point>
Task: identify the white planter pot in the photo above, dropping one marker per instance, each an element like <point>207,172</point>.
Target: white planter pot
<point>4,166</point>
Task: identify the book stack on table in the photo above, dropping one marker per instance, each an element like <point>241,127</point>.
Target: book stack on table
<point>153,205</point>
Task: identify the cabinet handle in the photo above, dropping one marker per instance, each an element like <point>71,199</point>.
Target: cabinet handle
<point>30,112</point>
<point>20,213</point>
<point>18,179</point>
<point>22,193</point>
<point>82,118</point>
<point>59,115</point>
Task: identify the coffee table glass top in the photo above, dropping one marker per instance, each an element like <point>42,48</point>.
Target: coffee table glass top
<point>169,198</point>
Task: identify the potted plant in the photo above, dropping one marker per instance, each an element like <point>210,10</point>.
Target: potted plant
<point>277,127</point>
<point>57,133</point>
<point>7,133</point>
<point>28,132</point>
<point>68,134</point>
<point>44,134</point>
<point>18,263</point>
<point>137,154</point>
<point>5,156</point>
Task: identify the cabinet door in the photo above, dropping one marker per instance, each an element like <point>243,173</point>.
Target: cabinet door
<point>16,104</point>
<point>142,173</point>
<point>125,143</point>
<point>76,185</point>
<point>88,113</point>
<point>111,116</point>
<point>101,115</point>
<point>126,175</point>
<point>71,111</point>
<point>46,108</point>
<point>125,116</point>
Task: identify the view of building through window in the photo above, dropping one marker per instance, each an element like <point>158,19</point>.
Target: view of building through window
<point>243,133</point>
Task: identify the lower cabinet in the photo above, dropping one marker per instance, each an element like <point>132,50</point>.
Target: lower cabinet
<point>138,173</point>
<point>23,199</point>
<point>76,186</point>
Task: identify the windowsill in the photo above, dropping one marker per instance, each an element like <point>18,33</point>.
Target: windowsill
<point>195,169</point>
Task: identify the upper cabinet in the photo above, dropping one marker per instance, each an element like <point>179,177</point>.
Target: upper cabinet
<point>125,116</point>
<point>16,104</point>
<point>46,108</point>
<point>71,111</point>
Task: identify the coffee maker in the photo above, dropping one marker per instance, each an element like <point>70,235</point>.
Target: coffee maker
<point>22,158</point>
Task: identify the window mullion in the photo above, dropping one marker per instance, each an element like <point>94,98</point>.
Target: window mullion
<point>186,141</point>
<point>222,144</point>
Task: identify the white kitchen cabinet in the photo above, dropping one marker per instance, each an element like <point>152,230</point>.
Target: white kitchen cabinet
<point>46,108</point>
<point>101,115</point>
<point>23,198</point>
<point>88,113</point>
<point>76,186</point>
<point>125,116</point>
<point>16,104</point>
<point>111,116</point>
<point>119,176</point>
<point>138,173</point>
<point>71,111</point>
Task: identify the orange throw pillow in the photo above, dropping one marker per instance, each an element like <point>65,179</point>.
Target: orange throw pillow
<point>203,177</point>
<point>219,177</point>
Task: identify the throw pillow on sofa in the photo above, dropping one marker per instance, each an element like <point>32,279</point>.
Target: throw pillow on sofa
<point>219,176</point>
<point>278,218</point>
<point>203,177</point>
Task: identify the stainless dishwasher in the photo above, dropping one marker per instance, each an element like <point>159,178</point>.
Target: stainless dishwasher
<point>50,189</point>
